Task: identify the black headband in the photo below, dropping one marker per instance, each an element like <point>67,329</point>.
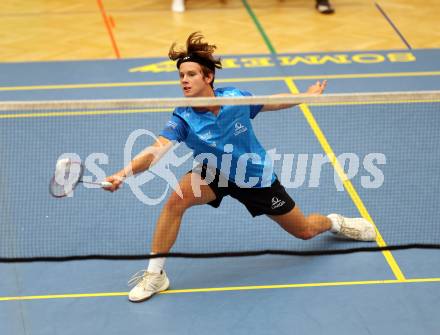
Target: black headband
<point>197,59</point>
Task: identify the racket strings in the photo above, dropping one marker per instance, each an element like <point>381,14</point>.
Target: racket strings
<point>67,175</point>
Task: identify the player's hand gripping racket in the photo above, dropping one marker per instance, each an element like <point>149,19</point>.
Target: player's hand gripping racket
<point>68,174</point>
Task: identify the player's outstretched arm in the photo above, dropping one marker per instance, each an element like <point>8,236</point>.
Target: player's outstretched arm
<point>317,88</point>
<point>143,161</point>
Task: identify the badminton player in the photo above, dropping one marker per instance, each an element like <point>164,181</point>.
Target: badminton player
<point>215,130</point>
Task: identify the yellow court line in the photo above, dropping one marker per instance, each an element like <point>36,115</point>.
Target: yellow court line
<point>103,112</point>
<point>219,80</point>
<point>305,285</point>
<point>333,76</point>
<point>346,182</point>
<point>156,110</point>
<point>226,289</point>
<point>389,102</point>
<point>368,75</point>
<point>81,86</point>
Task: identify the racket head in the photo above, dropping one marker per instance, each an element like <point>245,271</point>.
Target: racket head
<point>68,174</point>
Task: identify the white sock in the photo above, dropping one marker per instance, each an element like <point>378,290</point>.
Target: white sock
<point>156,265</point>
<point>336,222</point>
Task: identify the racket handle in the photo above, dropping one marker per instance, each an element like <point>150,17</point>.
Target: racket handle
<point>106,184</point>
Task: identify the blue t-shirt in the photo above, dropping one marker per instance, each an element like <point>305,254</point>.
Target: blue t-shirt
<point>226,142</point>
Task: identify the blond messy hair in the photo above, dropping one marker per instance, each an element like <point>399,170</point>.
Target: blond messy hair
<point>196,47</point>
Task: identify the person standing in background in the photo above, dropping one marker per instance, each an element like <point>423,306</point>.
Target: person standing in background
<point>322,6</point>
<point>178,6</point>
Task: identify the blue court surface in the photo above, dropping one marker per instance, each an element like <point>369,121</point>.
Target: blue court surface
<point>361,293</point>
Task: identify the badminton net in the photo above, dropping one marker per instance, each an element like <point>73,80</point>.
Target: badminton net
<point>371,155</point>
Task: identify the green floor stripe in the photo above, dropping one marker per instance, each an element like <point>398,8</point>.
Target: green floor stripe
<point>259,27</point>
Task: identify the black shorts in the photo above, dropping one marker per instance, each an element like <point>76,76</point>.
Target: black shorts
<point>272,200</point>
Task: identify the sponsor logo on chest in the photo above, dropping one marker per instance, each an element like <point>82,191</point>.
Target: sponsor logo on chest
<point>206,137</point>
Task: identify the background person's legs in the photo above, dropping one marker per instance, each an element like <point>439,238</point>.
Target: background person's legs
<point>178,6</point>
<point>324,7</point>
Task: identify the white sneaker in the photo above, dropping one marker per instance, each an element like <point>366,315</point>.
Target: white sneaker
<point>353,228</point>
<point>147,284</point>
<point>178,6</point>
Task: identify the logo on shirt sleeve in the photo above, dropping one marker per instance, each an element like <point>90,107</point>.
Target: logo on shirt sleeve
<point>172,124</point>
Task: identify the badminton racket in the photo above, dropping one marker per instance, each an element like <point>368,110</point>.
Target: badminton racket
<point>68,174</point>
